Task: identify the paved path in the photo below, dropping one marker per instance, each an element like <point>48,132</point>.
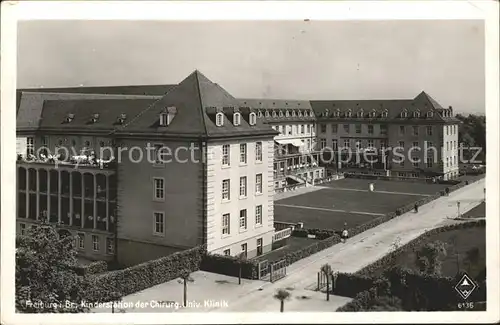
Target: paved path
<point>325,209</point>
<point>358,252</point>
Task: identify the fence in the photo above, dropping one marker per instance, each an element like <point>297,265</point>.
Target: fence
<point>282,234</point>
<point>280,225</point>
<point>272,272</point>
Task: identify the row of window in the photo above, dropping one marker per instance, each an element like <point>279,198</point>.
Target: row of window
<point>226,153</point>
<point>287,113</point>
<point>244,248</point>
<point>358,144</point>
<point>243,220</point>
<point>429,163</point>
<point>219,119</point>
<point>294,129</point>
<point>226,187</point>
<point>358,128</point>
<point>80,240</point>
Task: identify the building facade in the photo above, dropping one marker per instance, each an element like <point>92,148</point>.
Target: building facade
<point>145,171</point>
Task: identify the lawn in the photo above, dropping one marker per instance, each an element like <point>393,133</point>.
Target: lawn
<point>458,242</point>
<point>477,212</point>
<point>390,186</point>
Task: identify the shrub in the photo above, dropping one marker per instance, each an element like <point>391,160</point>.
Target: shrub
<point>300,233</point>
<point>151,273</point>
<point>230,265</point>
<point>92,268</point>
<point>320,245</point>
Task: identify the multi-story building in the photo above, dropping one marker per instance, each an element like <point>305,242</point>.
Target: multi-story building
<point>406,138</point>
<point>296,159</point>
<point>225,158</point>
<point>171,172</point>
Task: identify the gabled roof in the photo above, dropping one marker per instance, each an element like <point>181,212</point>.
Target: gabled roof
<point>393,106</point>
<point>425,98</point>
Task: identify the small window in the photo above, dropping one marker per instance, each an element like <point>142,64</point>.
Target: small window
<point>81,241</point>
<point>95,243</point>
<point>373,114</point>
<point>267,113</point>
<point>258,184</point>
<point>226,161</point>
<point>159,223</point>
<point>416,114</point>
<point>243,219</point>
<point>252,119</point>
<point>243,186</point>
<point>275,114</point>
<point>22,228</point>
<point>237,119</point>
<point>384,113</point>
<point>258,151</point>
<point>243,153</point>
<point>110,246</point>
<point>300,113</point>
<point>219,119</point>
<point>258,215</point>
<point>259,114</point>
<point>360,113</point>
<point>226,230</point>
<point>404,114</point>
<point>159,189</point>
<point>163,119</point>
<point>226,189</point>
<point>293,113</point>
<point>430,114</point>
<point>287,114</point>
<point>227,252</point>
<point>348,113</point>
<point>281,113</point>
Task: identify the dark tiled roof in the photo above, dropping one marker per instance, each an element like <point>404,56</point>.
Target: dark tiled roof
<point>30,104</point>
<point>55,113</point>
<point>148,90</point>
<point>256,103</point>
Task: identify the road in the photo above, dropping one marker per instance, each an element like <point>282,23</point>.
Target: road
<point>359,251</point>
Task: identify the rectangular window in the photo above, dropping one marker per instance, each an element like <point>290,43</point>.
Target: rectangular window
<point>334,128</point>
<point>347,143</point>
<point>30,146</point>
<point>429,130</point>
<point>370,129</point>
<point>370,143</point>
<point>383,144</point>
<point>447,162</point>
<point>95,243</point>
<point>302,129</point>
<point>322,128</point>
<point>225,224</point>
<point>415,130</point>
<point>258,183</point>
<point>81,240</point>
<point>280,129</point>
<point>159,188</point>
<point>226,158</point>
<point>429,144</point>
<point>323,143</point>
<point>110,245</point>
<point>244,249</point>
<point>415,161</point>
<point>243,186</point>
<point>258,151</point>
<point>258,215</point>
<point>307,129</point>
<point>22,228</point>
<point>159,223</point>
<point>429,162</point>
<point>358,144</point>
<point>358,128</point>
<point>158,154</point>
<point>243,219</point>
<point>401,129</point>
<point>402,144</point>
<point>346,128</point>
<point>415,144</point>
<point>383,130</point>
<point>447,129</point>
<point>294,129</point>
<point>243,153</point>
<point>259,246</point>
<point>227,252</point>
<point>335,145</point>
<point>225,189</point>
<point>289,129</point>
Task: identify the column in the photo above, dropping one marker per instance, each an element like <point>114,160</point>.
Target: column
<point>37,194</point>
<point>107,202</point>
<point>59,192</point>
<point>95,201</point>
<point>82,219</point>
<point>71,198</point>
<point>27,193</point>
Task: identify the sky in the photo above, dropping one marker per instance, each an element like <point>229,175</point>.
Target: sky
<point>265,59</point>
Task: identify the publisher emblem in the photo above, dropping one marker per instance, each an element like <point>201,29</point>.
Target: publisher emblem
<point>465,286</point>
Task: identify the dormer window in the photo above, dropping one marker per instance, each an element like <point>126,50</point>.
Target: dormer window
<point>70,117</point>
<point>281,113</point>
<point>259,114</point>
<point>430,114</point>
<point>326,113</point>
<point>122,118</point>
<point>94,118</point>
<point>384,113</point>
<point>348,113</point>
<point>219,119</point>
<point>300,113</point>
<point>337,113</point>
<point>311,114</point>
<point>267,113</point>
<point>163,119</point>
<point>236,119</point>
<point>416,114</point>
<point>360,113</point>
<point>373,114</point>
<point>275,114</point>
<point>293,113</point>
<point>252,119</point>
<point>404,114</point>
<point>287,114</point>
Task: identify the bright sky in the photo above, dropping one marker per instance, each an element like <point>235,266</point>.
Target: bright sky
<point>292,60</point>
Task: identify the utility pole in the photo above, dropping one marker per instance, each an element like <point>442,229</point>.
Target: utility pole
<point>458,208</point>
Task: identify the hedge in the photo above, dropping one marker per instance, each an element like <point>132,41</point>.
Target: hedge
<point>318,233</point>
<point>230,265</point>
<point>351,284</point>
<point>318,246</point>
<point>148,274</point>
<point>92,268</point>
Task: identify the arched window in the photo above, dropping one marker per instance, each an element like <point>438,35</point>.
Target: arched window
<point>293,113</point>
<point>360,113</point>
<point>287,114</point>
<point>267,113</point>
<point>404,114</point>
<point>275,114</point>
<point>236,119</point>
<point>416,114</point>
<point>252,118</point>
<point>373,113</point>
<point>348,113</point>
<point>281,113</point>
<point>259,114</point>
<point>430,114</point>
<point>384,113</point>
<point>300,113</point>
<point>219,119</point>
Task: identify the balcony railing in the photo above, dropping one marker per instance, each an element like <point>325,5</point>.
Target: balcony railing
<point>282,234</point>
<point>81,160</point>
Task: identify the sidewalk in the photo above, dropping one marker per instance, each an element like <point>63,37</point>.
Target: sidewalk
<point>360,250</point>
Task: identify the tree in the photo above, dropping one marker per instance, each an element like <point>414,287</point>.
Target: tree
<point>427,258</point>
<point>185,278</point>
<point>46,279</point>
<point>241,258</point>
<point>326,269</point>
<point>282,295</point>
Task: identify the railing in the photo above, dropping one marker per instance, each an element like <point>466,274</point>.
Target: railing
<point>83,161</point>
<point>282,234</point>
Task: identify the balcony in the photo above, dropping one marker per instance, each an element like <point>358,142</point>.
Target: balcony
<point>74,162</point>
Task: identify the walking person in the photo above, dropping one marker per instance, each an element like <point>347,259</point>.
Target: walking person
<point>416,207</point>
<point>447,190</point>
<point>345,235</point>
